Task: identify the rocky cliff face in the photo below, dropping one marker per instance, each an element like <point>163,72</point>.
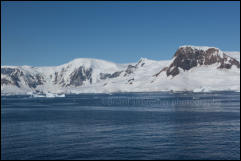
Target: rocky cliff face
<point>80,75</point>
<point>187,57</point>
<point>14,76</point>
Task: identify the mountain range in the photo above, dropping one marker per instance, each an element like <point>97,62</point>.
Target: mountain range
<point>192,68</point>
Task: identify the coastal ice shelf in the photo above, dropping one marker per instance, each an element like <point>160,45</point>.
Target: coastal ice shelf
<point>192,68</point>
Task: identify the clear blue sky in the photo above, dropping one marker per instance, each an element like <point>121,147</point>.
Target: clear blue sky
<point>53,33</point>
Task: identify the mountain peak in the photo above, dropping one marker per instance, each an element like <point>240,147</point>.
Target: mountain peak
<point>187,57</point>
<point>189,49</point>
<point>87,61</point>
<point>204,48</point>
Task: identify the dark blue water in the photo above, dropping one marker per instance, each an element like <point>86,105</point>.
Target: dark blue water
<point>122,126</point>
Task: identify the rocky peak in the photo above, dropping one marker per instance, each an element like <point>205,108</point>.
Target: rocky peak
<point>187,57</point>
<point>141,62</point>
<point>131,68</point>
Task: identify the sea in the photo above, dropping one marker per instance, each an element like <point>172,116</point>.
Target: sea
<point>130,126</point>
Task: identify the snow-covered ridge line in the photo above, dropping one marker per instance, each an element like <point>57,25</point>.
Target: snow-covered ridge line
<point>233,54</point>
<point>204,48</point>
<point>203,69</point>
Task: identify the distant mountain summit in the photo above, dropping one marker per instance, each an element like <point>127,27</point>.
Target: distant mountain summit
<point>187,57</point>
<point>192,68</point>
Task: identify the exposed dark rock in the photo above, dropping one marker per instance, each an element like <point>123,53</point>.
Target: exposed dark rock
<point>131,79</point>
<point>58,77</point>
<point>14,75</point>
<point>188,57</point>
<point>80,75</point>
<point>7,71</point>
<point>107,75</point>
<point>140,63</point>
<point>34,81</point>
<point>164,69</point>
<point>5,81</point>
<point>15,79</point>
<point>55,77</point>
<point>130,69</point>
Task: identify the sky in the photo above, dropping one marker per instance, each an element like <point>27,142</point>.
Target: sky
<point>54,33</point>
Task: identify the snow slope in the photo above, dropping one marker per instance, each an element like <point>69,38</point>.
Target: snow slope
<point>233,54</point>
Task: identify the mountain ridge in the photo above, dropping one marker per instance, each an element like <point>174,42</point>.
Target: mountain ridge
<point>86,75</point>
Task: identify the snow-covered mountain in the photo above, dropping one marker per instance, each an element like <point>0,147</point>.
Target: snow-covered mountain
<point>191,69</point>
<point>233,54</point>
<point>188,57</point>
